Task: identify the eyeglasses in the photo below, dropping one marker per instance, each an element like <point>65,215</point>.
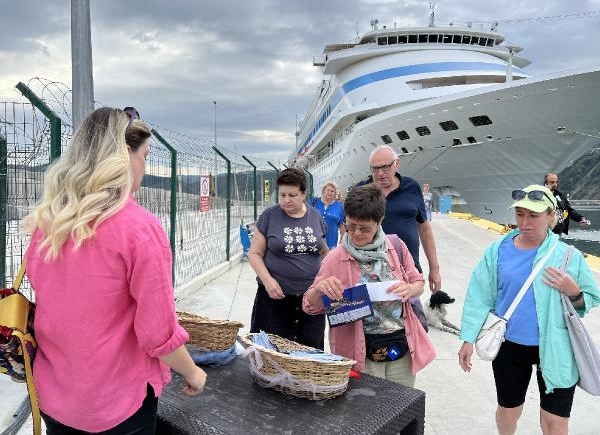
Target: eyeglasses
<point>534,195</point>
<point>133,114</point>
<point>360,228</point>
<point>383,168</point>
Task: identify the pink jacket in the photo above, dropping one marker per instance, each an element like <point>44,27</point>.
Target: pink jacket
<point>349,340</point>
<point>104,314</point>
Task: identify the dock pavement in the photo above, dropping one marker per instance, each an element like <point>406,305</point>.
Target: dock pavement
<point>457,403</point>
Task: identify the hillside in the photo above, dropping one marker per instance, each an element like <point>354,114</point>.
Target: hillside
<point>582,179</point>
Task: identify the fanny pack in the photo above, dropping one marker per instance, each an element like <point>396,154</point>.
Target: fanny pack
<point>386,347</point>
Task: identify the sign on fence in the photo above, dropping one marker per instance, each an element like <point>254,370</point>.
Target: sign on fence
<point>204,193</point>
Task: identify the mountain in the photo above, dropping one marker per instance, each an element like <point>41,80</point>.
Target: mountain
<point>582,178</point>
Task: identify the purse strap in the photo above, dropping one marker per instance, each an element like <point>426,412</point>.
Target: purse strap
<point>20,276</point>
<point>528,282</point>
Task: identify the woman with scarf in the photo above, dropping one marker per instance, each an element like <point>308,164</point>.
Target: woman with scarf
<point>366,255</point>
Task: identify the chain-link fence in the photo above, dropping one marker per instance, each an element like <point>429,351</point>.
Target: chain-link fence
<point>201,193</point>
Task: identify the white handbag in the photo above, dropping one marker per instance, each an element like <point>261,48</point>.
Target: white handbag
<point>492,332</point>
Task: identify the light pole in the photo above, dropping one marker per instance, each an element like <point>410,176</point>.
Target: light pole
<point>215,104</point>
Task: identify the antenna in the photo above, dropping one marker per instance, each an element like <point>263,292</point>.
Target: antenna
<point>494,26</point>
<point>432,15</point>
<point>374,24</point>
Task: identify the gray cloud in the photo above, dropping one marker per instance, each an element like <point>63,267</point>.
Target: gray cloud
<point>173,58</point>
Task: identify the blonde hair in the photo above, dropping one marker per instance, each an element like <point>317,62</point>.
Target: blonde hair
<point>89,183</point>
<point>333,185</point>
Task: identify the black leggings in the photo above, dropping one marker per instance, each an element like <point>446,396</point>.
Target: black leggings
<point>143,422</point>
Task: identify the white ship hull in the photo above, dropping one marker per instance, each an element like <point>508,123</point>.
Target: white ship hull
<point>531,126</point>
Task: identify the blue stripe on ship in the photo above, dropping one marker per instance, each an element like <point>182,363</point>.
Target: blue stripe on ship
<point>420,69</point>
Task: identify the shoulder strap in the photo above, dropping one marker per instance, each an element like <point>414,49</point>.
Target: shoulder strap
<point>397,246</point>
<point>20,275</point>
<point>528,282</point>
<point>567,258</point>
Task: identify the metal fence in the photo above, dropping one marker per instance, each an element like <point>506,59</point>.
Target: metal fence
<point>201,193</point>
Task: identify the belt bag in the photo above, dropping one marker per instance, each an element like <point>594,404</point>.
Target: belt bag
<point>492,332</point>
<point>386,347</point>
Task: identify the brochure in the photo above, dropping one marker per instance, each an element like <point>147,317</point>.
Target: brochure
<point>354,305</point>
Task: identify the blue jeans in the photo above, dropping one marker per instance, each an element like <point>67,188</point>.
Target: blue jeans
<point>143,422</point>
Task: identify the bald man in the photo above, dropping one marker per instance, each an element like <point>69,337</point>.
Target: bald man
<point>564,210</point>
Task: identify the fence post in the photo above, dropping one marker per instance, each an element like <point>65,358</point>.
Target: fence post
<point>55,123</point>
<point>227,246</point>
<point>276,187</point>
<point>173,203</point>
<point>3,206</point>
<point>255,186</point>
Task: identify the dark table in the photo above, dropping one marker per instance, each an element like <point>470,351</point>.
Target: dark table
<point>233,404</point>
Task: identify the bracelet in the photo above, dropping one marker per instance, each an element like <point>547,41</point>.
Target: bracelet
<point>576,298</point>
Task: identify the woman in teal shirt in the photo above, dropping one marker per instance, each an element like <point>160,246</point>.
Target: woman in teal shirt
<point>536,332</point>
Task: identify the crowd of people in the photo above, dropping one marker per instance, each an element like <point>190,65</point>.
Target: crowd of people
<point>101,260</point>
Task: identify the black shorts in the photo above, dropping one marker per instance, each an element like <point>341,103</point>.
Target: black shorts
<point>512,373</point>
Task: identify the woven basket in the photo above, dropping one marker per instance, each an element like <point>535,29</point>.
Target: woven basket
<point>209,334</point>
<point>301,377</point>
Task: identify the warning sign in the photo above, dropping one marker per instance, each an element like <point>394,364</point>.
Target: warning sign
<point>204,193</point>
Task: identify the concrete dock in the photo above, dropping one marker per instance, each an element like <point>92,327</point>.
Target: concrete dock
<point>457,402</point>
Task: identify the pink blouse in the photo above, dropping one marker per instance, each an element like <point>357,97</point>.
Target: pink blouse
<point>104,314</point>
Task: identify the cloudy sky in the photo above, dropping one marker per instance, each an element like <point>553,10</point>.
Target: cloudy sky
<point>173,58</point>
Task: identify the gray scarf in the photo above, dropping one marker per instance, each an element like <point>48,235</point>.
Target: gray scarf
<point>375,252</point>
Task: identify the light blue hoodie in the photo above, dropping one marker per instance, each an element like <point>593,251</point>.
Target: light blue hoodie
<point>556,355</point>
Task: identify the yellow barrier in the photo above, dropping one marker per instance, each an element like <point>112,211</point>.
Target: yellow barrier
<point>591,260</point>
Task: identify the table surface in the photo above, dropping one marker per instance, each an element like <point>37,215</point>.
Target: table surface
<point>233,404</point>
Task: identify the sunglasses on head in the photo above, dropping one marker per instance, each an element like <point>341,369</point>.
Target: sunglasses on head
<point>534,195</point>
<point>133,114</point>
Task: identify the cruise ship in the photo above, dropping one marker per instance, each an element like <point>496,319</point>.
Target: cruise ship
<point>457,106</point>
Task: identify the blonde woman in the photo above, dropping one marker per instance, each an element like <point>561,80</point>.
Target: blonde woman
<point>101,268</point>
<point>332,212</point>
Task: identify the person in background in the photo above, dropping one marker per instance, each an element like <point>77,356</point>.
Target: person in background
<point>536,333</point>
<point>428,200</point>
<point>100,266</point>
<point>405,213</point>
<point>563,207</point>
<point>366,254</point>
<point>286,252</point>
<point>332,212</point>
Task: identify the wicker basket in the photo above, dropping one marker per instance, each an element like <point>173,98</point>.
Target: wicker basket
<point>209,334</point>
<point>301,377</point>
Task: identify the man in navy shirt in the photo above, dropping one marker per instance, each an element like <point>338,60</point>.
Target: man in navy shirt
<point>405,213</point>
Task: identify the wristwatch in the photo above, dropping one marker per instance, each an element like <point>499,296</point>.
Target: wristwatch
<point>576,298</point>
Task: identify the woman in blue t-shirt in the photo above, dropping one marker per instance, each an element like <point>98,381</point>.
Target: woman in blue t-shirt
<point>332,212</point>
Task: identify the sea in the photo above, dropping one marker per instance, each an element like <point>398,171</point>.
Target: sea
<point>585,238</point>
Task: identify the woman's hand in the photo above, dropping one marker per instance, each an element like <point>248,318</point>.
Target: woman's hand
<point>273,288</point>
<point>195,382</point>
<point>464,356</point>
<point>561,281</point>
<point>405,291</point>
<point>331,287</point>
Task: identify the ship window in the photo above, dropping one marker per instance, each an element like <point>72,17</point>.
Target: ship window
<point>434,38</point>
<point>474,40</point>
<point>456,39</point>
<point>447,39</point>
<point>466,39</point>
<point>402,135</point>
<point>471,139</point>
<point>456,142</point>
<point>478,121</point>
<point>491,42</point>
<point>483,41</point>
<point>402,39</point>
<point>382,41</point>
<point>423,130</point>
<point>386,139</point>
<point>448,125</point>
<point>412,39</point>
<point>422,39</point>
<point>404,150</point>
<point>392,40</point>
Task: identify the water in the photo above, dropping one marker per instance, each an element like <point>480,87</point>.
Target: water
<point>586,239</point>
